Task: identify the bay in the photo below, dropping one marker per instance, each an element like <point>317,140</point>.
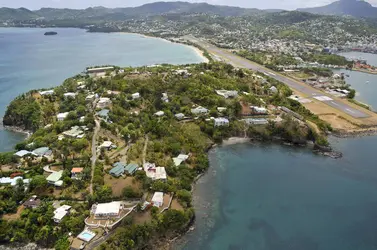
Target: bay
<point>29,60</point>
<point>273,197</point>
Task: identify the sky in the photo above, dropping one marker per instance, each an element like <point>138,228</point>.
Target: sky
<point>80,4</point>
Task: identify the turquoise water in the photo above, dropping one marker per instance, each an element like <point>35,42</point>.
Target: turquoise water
<point>271,197</point>
<point>30,60</point>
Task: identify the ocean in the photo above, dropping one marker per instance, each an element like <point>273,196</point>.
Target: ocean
<point>29,60</point>
<point>274,197</point>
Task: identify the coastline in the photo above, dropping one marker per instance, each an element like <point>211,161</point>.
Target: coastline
<point>199,52</point>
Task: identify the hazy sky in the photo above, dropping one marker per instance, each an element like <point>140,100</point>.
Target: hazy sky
<point>79,4</point>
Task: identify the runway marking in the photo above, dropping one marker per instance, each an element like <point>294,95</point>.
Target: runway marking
<point>323,98</point>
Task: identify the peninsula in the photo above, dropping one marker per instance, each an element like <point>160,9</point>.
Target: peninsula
<point>115,151</point>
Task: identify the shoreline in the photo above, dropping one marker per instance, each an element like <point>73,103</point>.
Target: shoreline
<point>199,52</point>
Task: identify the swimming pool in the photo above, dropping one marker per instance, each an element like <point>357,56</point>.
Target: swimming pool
<point>86,235</point>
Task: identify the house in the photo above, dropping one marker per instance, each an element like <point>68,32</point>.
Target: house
<point>158,199</point>
<point>111,209</point>
<point>219,122</point>
<point>62,116</point>
<point>13,181</point>
<point>107,145</point>
<point>153,172</point>
<point>221,109</point>
<point>135,96</point>
<point>255,121</point>
<point>55,177</point>
<point>75,132</point>
<point>103,102</point>
<point>47,92</point>
<point>179,159</point>
<point>32,203</point>
<point>82,119</point>
<point>76,173</point>
<point>227,93</point>
<point>69,95</point>
<point>131,168</point>
<point>118,169</point>
<point>23,153</point>
<point>90,98</point>
<point>104,114</point>
<point>43,151</point>
<point>165,97</point>
<point>180,116</point>
<point>60,213</point>
<point>273,90</point>
<point>199,110</point>
<point>112,92</point>
<point>259,110</point>
<point>159,113</point>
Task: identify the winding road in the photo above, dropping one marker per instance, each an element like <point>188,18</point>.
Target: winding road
<point>94,153</point>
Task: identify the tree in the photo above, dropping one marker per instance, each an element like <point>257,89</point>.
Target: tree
<point>38,183</point>
<point>351,94</point>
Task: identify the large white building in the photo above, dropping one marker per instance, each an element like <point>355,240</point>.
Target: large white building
<point>103,102</point>
<point>158,199</point>
<point>153,172</point>
<point>111,209</point>
<point>61,212</point>
<point>219,122</point>
<point>62,116</point>
<point>199,110</point>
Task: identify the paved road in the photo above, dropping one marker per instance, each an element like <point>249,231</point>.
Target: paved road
<point>94,152</point>
<point>311,92</point>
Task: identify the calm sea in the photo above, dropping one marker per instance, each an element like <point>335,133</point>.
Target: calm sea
<point>271,197</point>
<point>30,60</point>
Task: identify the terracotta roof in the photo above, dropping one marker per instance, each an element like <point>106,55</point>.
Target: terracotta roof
<point>77,170</point>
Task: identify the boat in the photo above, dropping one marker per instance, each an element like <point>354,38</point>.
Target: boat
<point>51,33</point>
<point>366,82</point>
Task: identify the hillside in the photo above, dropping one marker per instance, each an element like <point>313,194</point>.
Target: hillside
<point>353,8</point>
<point>103,13</point>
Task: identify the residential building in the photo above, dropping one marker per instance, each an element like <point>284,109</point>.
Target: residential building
<point>33,202</point>
<point>105,210</point>
<point>221,109</point>
<point>55,177</point>
<point>47,92</point>
<point>60,213</point>
<point>180,116</point>
<point>43,151</point>
<point>75,132</point>
<point>118,169</point>
<point>199,110</point>
<point>23,153</point>
<point>165,97</point>
<point>219,122</point>
<point>159,113</point>
<point>90,98</point>
<point>104,102</point>
<point>76,173</point>
<point>259,110</point>
<point>131,168</point>
<point>62,116</point>
<point>107,145</point>
<point>135,96</point>
<point>104,114</point>
<point>227,93</point>
<point>70,95</point>
<point>255,121</point>
<point>13,181</point>
<point>273,90</point>
<point>158,199</point>
<point>155,173</point>
<point>179,159</point>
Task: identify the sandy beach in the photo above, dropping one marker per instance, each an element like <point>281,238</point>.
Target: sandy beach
<point>235,140</point>
<point>197,51</point>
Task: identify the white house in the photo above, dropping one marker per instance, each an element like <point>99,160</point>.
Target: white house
<point>221,122</point>
<point>62,116</point>
<point>158,199</point>
<point>165,97</point>
<point>90,98</point>
<point>159,113</point>
<point>106,144</point>
<point>103,102</point>
<point>199,110</point>
<point>227,93</point>
<point>153,172</point>
<point>179,159</point>
<point>135,95</point>
<point>255,121</point>
<point>221,109</point>
<point>47,92</point>
<point>273,89</point>
<point>259,110</point>
<point>69,95</point>
<point>179,116</point>
<point>111,209</point>
<point>60,213</point>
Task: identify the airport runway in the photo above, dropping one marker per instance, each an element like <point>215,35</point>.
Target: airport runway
<point>238,61</point>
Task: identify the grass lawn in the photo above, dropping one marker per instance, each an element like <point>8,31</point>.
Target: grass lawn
<point>117,184</point>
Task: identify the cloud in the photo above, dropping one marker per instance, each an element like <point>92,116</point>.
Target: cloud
<point>79,4</point>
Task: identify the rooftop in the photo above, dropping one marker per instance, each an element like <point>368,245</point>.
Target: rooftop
<point>54,177</point>
<point>107,208</point>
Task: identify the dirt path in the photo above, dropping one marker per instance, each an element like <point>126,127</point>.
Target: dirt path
<point>94,152</point>
<point>145,148</point>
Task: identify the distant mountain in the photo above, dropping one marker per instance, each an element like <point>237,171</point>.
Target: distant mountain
<point>17,14</point>
<point>355,8</point>
<point>156,8</point>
